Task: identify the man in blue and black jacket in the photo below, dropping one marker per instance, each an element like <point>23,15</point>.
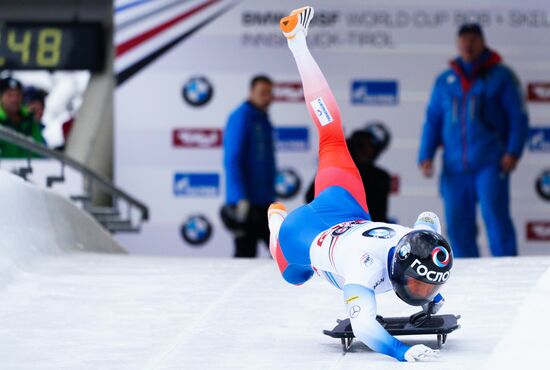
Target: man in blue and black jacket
<point>250,170</point>
<point>478,115</point>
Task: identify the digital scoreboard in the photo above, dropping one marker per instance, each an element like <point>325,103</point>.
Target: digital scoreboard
<point>53,46</point>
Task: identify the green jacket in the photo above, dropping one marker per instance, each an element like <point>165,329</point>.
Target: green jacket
<point>27,126</point>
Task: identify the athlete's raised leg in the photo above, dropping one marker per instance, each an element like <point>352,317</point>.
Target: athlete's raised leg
<point>336,167</point>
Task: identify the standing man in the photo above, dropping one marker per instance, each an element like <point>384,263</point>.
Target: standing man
<point>15,115</point>
<point>250,167</point>
<point>477,114</point>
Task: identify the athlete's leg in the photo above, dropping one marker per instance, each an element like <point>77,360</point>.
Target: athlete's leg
<point>493,191</point>
<point>458,191</point>
<point>336,166</point>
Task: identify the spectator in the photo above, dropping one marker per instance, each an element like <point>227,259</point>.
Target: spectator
<point>478,115</point>
<point>365,146</point>
<point>15,115</point>
<point>250,167</point>
<point>35,100</point>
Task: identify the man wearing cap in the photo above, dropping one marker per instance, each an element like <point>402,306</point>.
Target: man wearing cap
<point>477,114</point>
<point>15,115</point>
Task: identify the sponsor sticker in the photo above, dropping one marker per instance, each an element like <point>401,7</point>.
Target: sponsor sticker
<point>380,233</point>
<point>542,185</point>
<point>197,138</point>
<point>538,231</point>
<point>196,184</point>
<point>196,230</point>
<point>354,311</point>
<point>292,139</point>
<point>539,140</point>
<point>538,92</point>
<point>288,92</point>
<point>321,111</point>
<point>374,92</point>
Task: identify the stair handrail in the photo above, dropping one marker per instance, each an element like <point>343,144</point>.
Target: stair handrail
<point>27,143</point>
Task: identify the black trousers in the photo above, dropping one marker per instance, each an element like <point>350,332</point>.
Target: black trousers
<point>256,228</point>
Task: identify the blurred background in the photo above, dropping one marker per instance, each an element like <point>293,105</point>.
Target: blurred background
<point>137,93</point>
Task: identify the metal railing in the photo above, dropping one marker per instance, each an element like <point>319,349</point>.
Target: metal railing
<point>110,217</point>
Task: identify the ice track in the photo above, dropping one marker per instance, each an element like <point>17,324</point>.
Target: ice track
<point>65,308</point>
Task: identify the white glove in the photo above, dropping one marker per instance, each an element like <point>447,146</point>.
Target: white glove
<point>421,353</point>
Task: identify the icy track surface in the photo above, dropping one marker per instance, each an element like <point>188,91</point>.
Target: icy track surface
<point>71,299</point>
<point>100,311</point>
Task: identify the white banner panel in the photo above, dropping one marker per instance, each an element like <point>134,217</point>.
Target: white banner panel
<point>183,66</point>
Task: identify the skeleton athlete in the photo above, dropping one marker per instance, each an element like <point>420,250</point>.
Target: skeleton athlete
<point>333,235</point>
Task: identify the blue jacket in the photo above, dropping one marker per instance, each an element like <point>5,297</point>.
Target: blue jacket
<point>476,117</point>
<point>249,156</point>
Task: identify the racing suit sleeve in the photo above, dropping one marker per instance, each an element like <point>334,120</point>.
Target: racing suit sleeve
<point>361,307</point>
<point>518,123</point>
<point>234,143</point>
<point>433,126</point>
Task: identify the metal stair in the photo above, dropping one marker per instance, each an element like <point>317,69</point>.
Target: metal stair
<point>111,217</point>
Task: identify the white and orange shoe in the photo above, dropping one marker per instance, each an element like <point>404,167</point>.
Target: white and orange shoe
<point>276,214</point>
<point>297,20</point>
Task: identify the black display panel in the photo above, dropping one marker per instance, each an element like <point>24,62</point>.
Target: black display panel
<point>53,46</point>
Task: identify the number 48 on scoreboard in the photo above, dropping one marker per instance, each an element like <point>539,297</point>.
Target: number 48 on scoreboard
<point>53,46</point>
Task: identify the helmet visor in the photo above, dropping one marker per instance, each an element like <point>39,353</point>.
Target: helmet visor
<point>417,289</point>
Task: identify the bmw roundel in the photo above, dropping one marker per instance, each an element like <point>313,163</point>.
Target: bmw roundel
<point>380,233</point>
<point>287,184</point>
<point>543,185</point>
<point>196,230</point>
<point>197,91</point>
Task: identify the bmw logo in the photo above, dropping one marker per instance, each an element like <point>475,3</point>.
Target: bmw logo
<point>543,185</point>
<point>196,230</point>
<point>197,91</point>
<point>404,251</point>
<point>287,184</point>
<point>380,233</point>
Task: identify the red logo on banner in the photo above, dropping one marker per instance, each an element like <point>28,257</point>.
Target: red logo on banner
<point>538,91</point>
<point>538,230</point>
<point>197,137</point>
<point>394,185</point>
<point>288,92</point>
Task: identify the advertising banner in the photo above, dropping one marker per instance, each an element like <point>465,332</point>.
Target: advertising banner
<point>182,67</point>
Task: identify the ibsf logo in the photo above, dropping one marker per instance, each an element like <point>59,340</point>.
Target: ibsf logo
<point>374,92</point>
<point>197,138</point>
<point>196,230</point>
<point>430,275</point>
<point>539,139</point>
<point>538,92</point>
<point>538,230</point>
<point>196,184</point>
<point>287,184</point>
<point>197,91</point>
<point>543,185</point>
<point>288,92</point>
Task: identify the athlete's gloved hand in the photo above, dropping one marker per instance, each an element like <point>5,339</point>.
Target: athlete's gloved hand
<point>435,305</point>
<point>421,353</point>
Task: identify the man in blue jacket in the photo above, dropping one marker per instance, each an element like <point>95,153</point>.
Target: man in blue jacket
<point>249,161</point>
<point>477,114</point>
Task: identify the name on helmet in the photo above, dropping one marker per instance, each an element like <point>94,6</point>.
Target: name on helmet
<point>434,276</point>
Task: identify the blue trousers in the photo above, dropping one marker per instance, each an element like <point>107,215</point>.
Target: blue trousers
<point>461,192</point>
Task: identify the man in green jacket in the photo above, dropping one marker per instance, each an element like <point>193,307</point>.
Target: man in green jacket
<point>15,115</point>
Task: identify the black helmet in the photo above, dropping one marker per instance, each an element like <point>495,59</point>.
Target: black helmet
<point>420,265</point>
